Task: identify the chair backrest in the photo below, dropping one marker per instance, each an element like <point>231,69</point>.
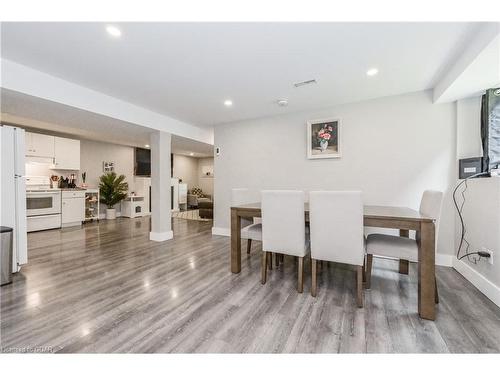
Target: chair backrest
<point>430,205</point>
<point>336,223</point>
<point>283,222</point>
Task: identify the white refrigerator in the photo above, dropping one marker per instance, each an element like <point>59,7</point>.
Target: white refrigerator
<point>13,191</point>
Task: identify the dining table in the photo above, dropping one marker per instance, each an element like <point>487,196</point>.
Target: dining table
<point>402,218</point>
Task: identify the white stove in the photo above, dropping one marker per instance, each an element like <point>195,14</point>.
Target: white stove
<point>43,204</point>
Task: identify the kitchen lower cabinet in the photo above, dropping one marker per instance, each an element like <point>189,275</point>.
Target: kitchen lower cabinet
<point>73,208</point>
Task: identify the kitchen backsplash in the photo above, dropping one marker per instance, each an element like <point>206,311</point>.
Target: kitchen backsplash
<point>38,169</point>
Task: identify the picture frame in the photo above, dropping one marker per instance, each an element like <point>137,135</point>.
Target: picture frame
<point>324,138</point>
<point>108,166</point>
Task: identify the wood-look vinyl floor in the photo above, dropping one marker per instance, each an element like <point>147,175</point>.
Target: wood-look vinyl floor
<point>107,288</point>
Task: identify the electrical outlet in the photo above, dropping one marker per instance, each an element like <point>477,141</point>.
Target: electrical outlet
<point>490,259</point>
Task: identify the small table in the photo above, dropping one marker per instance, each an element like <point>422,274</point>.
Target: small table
<point>133,206</point>
<point>402,218</point>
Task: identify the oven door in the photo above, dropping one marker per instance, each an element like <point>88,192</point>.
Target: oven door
<point>43,203</point>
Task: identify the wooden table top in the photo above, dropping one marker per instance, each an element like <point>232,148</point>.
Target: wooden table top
<point>371,212</point>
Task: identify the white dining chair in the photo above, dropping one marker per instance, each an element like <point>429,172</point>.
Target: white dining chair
<point>400,247</point>
<point>336,232</point>
<point>283,228</point>
<point>251,229</point>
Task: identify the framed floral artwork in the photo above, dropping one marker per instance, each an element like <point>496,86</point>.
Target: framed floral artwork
<point>323,139</point>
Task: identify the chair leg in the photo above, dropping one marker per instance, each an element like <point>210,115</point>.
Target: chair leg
<point>282,258</point>
<point>404,265</point>
<point>264,267</point>
<point>277,259</point>
<point>313,277</point>
<point>300,287</point>
<point>249,245</point>
<point>436,295</point>
<point>270,260</point>
<point>368,271</point>
<point>360,286</point>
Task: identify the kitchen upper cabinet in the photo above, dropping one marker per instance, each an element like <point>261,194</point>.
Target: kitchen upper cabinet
<point>39,145</point>
<point>67,153</point>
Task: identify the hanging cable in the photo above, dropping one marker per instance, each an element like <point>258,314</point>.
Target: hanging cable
<point>463,231</point>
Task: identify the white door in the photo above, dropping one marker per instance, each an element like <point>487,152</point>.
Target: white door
<point>66,153</point>
<point>73,210</point>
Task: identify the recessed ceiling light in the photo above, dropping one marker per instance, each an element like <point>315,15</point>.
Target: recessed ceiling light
<point>147,146</point>
<point>191,154</point>
<point>113,31</point>
<point>228,103</point>
<point>282,102</point>
<point>371,72</point>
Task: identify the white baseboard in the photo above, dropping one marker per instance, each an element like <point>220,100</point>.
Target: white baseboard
<point>486,287</point>
<point>161,236</point>
<point>444,260</point>
<point>217,231</point>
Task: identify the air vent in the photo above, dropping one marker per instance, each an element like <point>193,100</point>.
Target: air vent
<point>303,83</point>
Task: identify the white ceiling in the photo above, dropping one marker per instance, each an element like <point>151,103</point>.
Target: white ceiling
<point>186,70</point>
<point>55,118</point>
<point>480,74</point>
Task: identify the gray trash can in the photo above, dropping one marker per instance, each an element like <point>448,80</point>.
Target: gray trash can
<point>6,255</point>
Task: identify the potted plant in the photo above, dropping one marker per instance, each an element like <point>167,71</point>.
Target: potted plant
<point>113,190</point>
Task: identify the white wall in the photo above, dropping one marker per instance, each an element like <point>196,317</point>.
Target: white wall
<point>186,168</point>
<point>481,210</point>
<point>393,149</point>
<point>481,214</point>
<point>93,154</point>
<point>206,183</point>
<point>190,169</point>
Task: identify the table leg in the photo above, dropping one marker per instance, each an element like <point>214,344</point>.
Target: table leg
<point>404,264</point>
<point>426,272</point>
<point>235,242</point>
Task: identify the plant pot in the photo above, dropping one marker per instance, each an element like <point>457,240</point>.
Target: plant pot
<point>110,213</point>
<point>324,145</point>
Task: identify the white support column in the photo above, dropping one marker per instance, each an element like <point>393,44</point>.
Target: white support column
<point>161,229</point>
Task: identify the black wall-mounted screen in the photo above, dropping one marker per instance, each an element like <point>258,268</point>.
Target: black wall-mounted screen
<point>142,162</point>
